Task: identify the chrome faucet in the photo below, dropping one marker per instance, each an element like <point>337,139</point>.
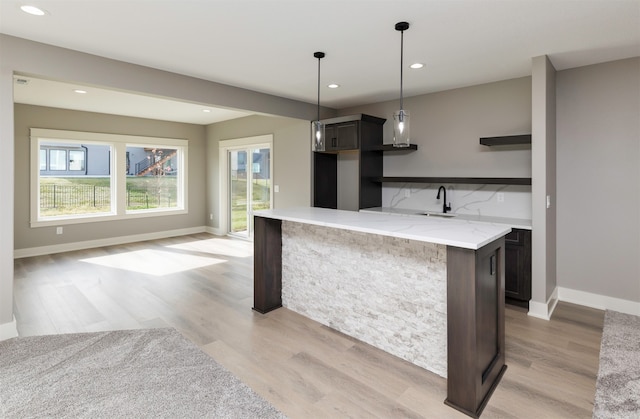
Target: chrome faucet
<point>445,207</point>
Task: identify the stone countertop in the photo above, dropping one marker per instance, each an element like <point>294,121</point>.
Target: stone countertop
<point>511,222</point>
<point>468,234</point>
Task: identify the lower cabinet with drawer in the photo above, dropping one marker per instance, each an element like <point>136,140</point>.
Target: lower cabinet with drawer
<point>518,267</point>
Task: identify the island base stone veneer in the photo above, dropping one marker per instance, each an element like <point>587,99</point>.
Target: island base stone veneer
<point>399,305</point>
<point>438,306</point>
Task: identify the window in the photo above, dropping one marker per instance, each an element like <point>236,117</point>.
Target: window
<point>43,159</point>
<point>76,160</point>
<point>84,177</point>
<point>245,181</point>
<point>152,180</point>
<point>57,160</point>
<point>62,157</point>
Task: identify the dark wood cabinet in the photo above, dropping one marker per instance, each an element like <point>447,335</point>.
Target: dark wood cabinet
<point>342,136</point>
<point>267,268</point>
<point>354,139</point>
<point>325,180</point>
<point>475,325</point>
<point>518,267</point>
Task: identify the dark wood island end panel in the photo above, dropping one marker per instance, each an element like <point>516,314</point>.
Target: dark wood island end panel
<point>475,329</point>
<point>267,264</point>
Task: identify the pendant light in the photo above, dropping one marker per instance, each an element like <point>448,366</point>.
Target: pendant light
<point>317,127</point>
<point>401,131</point>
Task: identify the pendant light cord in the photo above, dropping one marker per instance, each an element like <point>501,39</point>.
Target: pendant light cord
<point>401,58</point>
<point>401,26</point>
<point>319,55</point>
<point>319,58</point>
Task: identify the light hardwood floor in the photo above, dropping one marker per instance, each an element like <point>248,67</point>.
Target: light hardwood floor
<point>202,285</point>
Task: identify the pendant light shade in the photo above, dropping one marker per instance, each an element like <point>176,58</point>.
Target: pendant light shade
<point>401,125</point>
<point>317,127</point>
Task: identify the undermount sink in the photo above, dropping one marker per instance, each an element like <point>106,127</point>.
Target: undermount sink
<point>437,214</point>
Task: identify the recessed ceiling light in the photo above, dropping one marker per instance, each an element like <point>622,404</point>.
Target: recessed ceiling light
<point>333,86</point>
<point>33,10</point>
<point>416,65</point>
<point>206,110</point>
<point>80,91</point>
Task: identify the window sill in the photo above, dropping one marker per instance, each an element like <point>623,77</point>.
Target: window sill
<point>97,218</point>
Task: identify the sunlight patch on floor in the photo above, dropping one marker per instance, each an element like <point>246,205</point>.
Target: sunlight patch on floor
<point>222,247</point>
<point>153,262</point>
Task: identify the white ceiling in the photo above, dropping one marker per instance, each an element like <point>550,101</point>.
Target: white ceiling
<point>41,92</point>
<point>268,45</point>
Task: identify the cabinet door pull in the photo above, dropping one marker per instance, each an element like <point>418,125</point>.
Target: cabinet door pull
<point>492,265</point>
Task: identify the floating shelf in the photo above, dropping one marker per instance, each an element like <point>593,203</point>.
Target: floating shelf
<point>467,180</point>
<point>390,147</point>
<point>506,140</point>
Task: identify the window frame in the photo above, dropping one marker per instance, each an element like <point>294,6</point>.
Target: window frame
<point>117,170</point>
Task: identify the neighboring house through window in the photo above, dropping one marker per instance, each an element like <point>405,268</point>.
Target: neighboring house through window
<point>57,158</point>
<point>75,176</point>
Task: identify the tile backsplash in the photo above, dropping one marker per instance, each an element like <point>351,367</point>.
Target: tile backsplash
<point>511,201</point>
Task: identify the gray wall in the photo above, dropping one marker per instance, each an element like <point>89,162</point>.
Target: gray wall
<point>28,116</point>
<point>598,109</point>
<point>447,126</point>
<point>543,150</point>
<point>26,57</point>
<point>7,321</point>
<point>291,158</point>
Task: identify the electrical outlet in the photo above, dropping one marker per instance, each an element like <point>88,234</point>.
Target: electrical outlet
<point>211,216</point>
<point>276,188</point>
<point>407,193</point>
<point>58,230</point>
<point>500,196</point>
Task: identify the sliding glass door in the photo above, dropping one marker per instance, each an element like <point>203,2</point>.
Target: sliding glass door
<point>249,186</point>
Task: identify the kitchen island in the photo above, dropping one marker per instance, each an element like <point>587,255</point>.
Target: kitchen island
<point>430,291</point>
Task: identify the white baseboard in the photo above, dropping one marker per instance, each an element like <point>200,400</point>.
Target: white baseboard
<point>601,302</point>
<point>68,247</point>
<point>583,298</point>
<point>215,231</point>
<point>544,310</point>
<point>8,330</point>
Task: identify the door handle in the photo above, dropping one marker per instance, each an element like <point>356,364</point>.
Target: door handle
<point>492,265</point>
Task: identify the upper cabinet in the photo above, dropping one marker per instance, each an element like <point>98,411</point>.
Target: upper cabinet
<point>342,136</point>
<point>344,174</point>
<point>353,132</point>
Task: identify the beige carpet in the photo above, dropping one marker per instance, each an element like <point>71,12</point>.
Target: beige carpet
<point>618,385</point>
<point>154,373</point>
